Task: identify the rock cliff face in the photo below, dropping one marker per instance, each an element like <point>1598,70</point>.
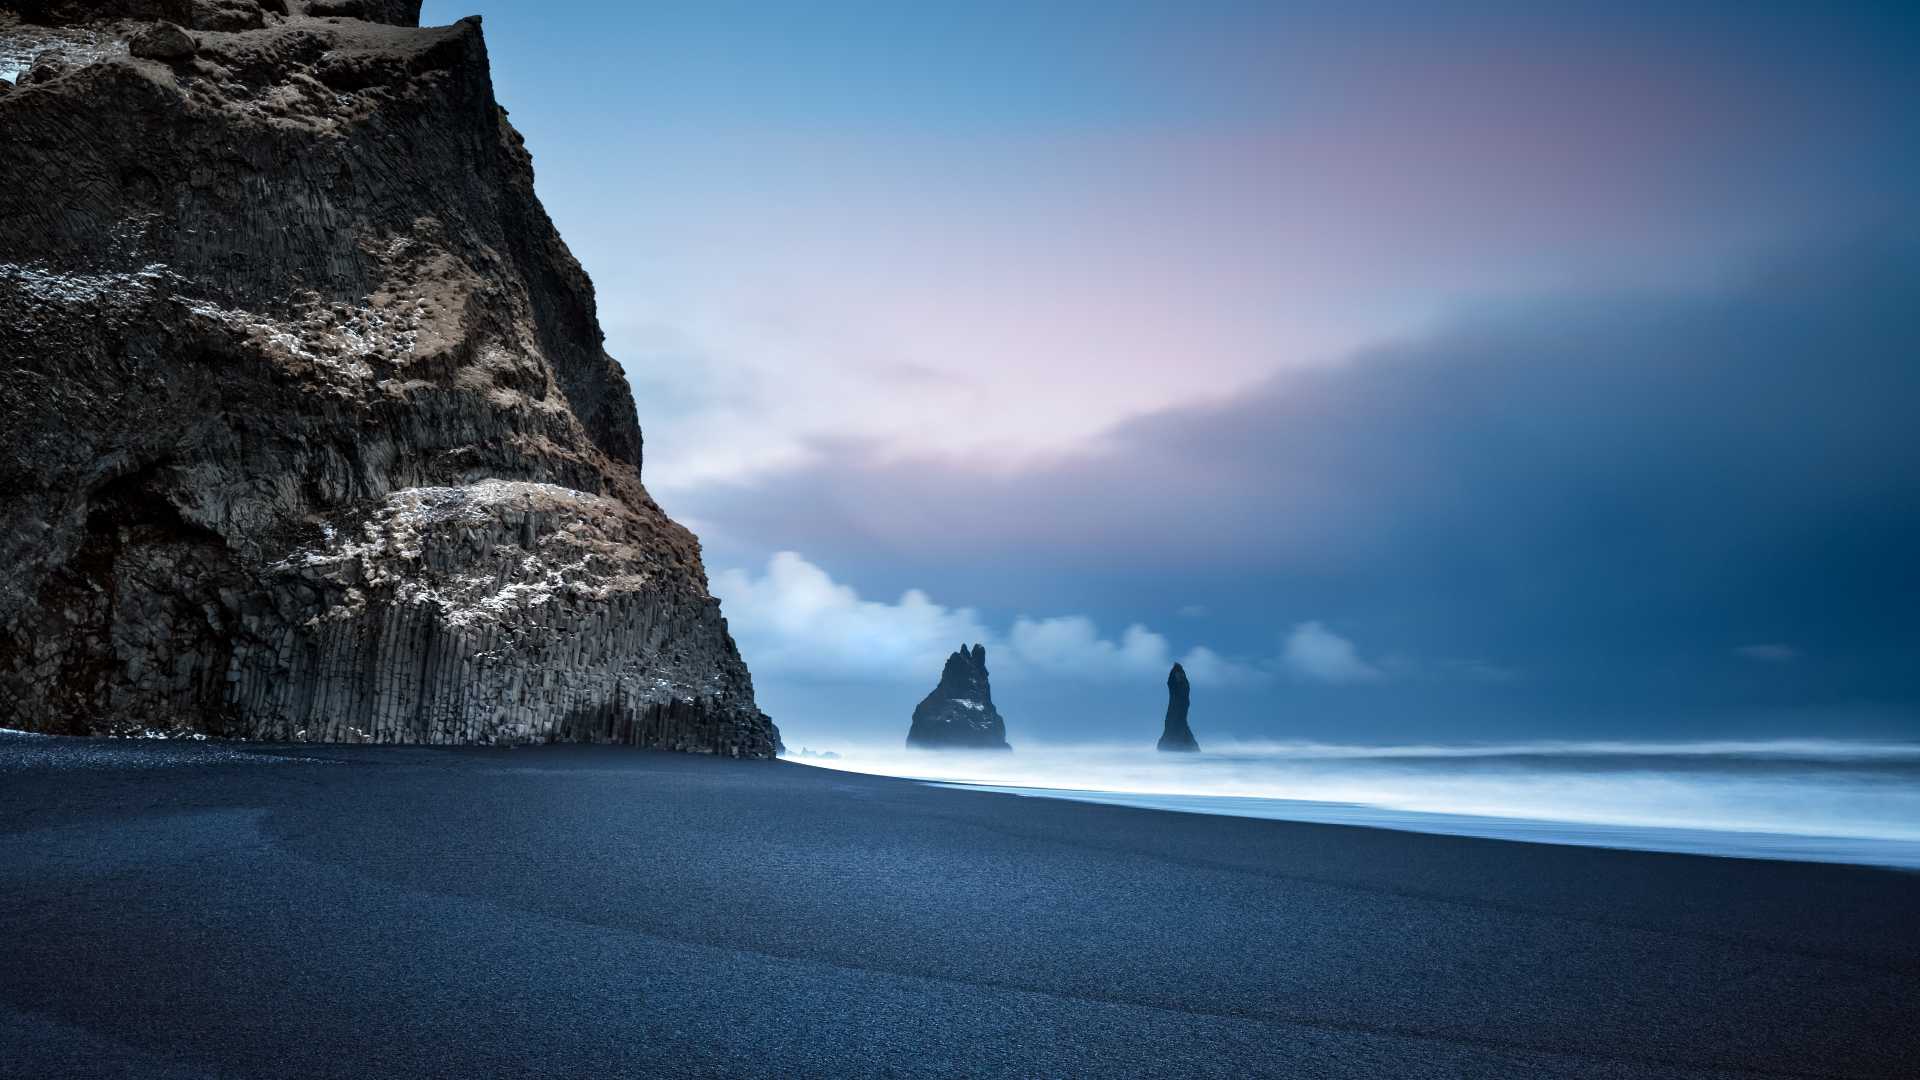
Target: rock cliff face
<point>306,426</point>
<point>959,714</point>
<point>1178,737</point>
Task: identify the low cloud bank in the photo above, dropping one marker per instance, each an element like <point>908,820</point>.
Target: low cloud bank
<point>794,620</point>
<point>1318,654</point>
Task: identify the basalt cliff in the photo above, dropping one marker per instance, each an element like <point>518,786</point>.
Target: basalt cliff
<point>306,426</point>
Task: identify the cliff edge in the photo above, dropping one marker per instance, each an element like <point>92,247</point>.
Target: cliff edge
<point>306,426</point>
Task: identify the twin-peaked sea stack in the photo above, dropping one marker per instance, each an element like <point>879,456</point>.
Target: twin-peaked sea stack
<point>306,426</point>
<point>1178,737</point>
<point>959,714</point>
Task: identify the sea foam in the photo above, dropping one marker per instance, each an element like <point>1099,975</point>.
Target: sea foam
<point>1808,799</point>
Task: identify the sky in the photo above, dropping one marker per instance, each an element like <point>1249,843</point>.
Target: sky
<point>1454,372</point>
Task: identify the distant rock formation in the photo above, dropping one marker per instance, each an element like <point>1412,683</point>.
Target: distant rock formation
<point>959,714</point>
<point>307,426</point>
<point>1178,738</point>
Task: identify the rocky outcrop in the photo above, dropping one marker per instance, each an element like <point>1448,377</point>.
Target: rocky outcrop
<point>223,15</point>
<point>162,41</point>
<point>959,714</point>
<point>1178,737</point>
<point>306,426</point>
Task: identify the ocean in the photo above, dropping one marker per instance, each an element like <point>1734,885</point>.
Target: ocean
<point>1805,799</point>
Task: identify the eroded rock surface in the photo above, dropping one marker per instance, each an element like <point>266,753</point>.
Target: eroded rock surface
<point>306,427</point>
<point>1178,737</point>
<point>959,714</point>
<point>161,41</point>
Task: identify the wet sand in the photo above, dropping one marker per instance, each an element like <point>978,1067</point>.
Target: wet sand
<point>173,910</point>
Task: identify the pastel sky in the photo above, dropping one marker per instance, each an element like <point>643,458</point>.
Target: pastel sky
<point>1467,370</point>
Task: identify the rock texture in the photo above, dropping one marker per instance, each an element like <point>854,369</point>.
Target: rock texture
<point>306,426</point>
<point>959,714</point>
<point>162,41</point>
<point>1178,737</point>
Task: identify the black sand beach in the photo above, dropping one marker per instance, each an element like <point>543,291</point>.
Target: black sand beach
<point>189,910</point>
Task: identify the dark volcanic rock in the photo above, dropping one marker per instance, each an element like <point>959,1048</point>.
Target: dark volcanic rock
<point>1178,737</point>
<point>228,15</point>
<point>397,12</point>
<point>162,41</point>
<point>46,68</point>
<point>306,427</point>
<point>959,714</point>
<point>77,11</point>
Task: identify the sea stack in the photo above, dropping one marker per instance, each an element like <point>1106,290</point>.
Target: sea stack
<point>307,428</point>
<point>959,714</point>
<point>1178,738</point>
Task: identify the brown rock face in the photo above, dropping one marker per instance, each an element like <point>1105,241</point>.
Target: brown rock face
<point>306,428</point>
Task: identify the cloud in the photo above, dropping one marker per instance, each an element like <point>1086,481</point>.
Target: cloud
<point>1192,611</point>
<point>997,293</point>
<point>1582,488</point>
<point>1772,653</point>
<point>796,621</point>
<point>1072,645</point>
<point>1317,654</point>
<point>1208,668</point>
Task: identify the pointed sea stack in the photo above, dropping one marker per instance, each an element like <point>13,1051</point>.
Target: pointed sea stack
<point>959,714</point>
<point>1178,738</point>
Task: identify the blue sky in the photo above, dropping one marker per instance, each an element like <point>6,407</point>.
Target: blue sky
<point>1483,372</point>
